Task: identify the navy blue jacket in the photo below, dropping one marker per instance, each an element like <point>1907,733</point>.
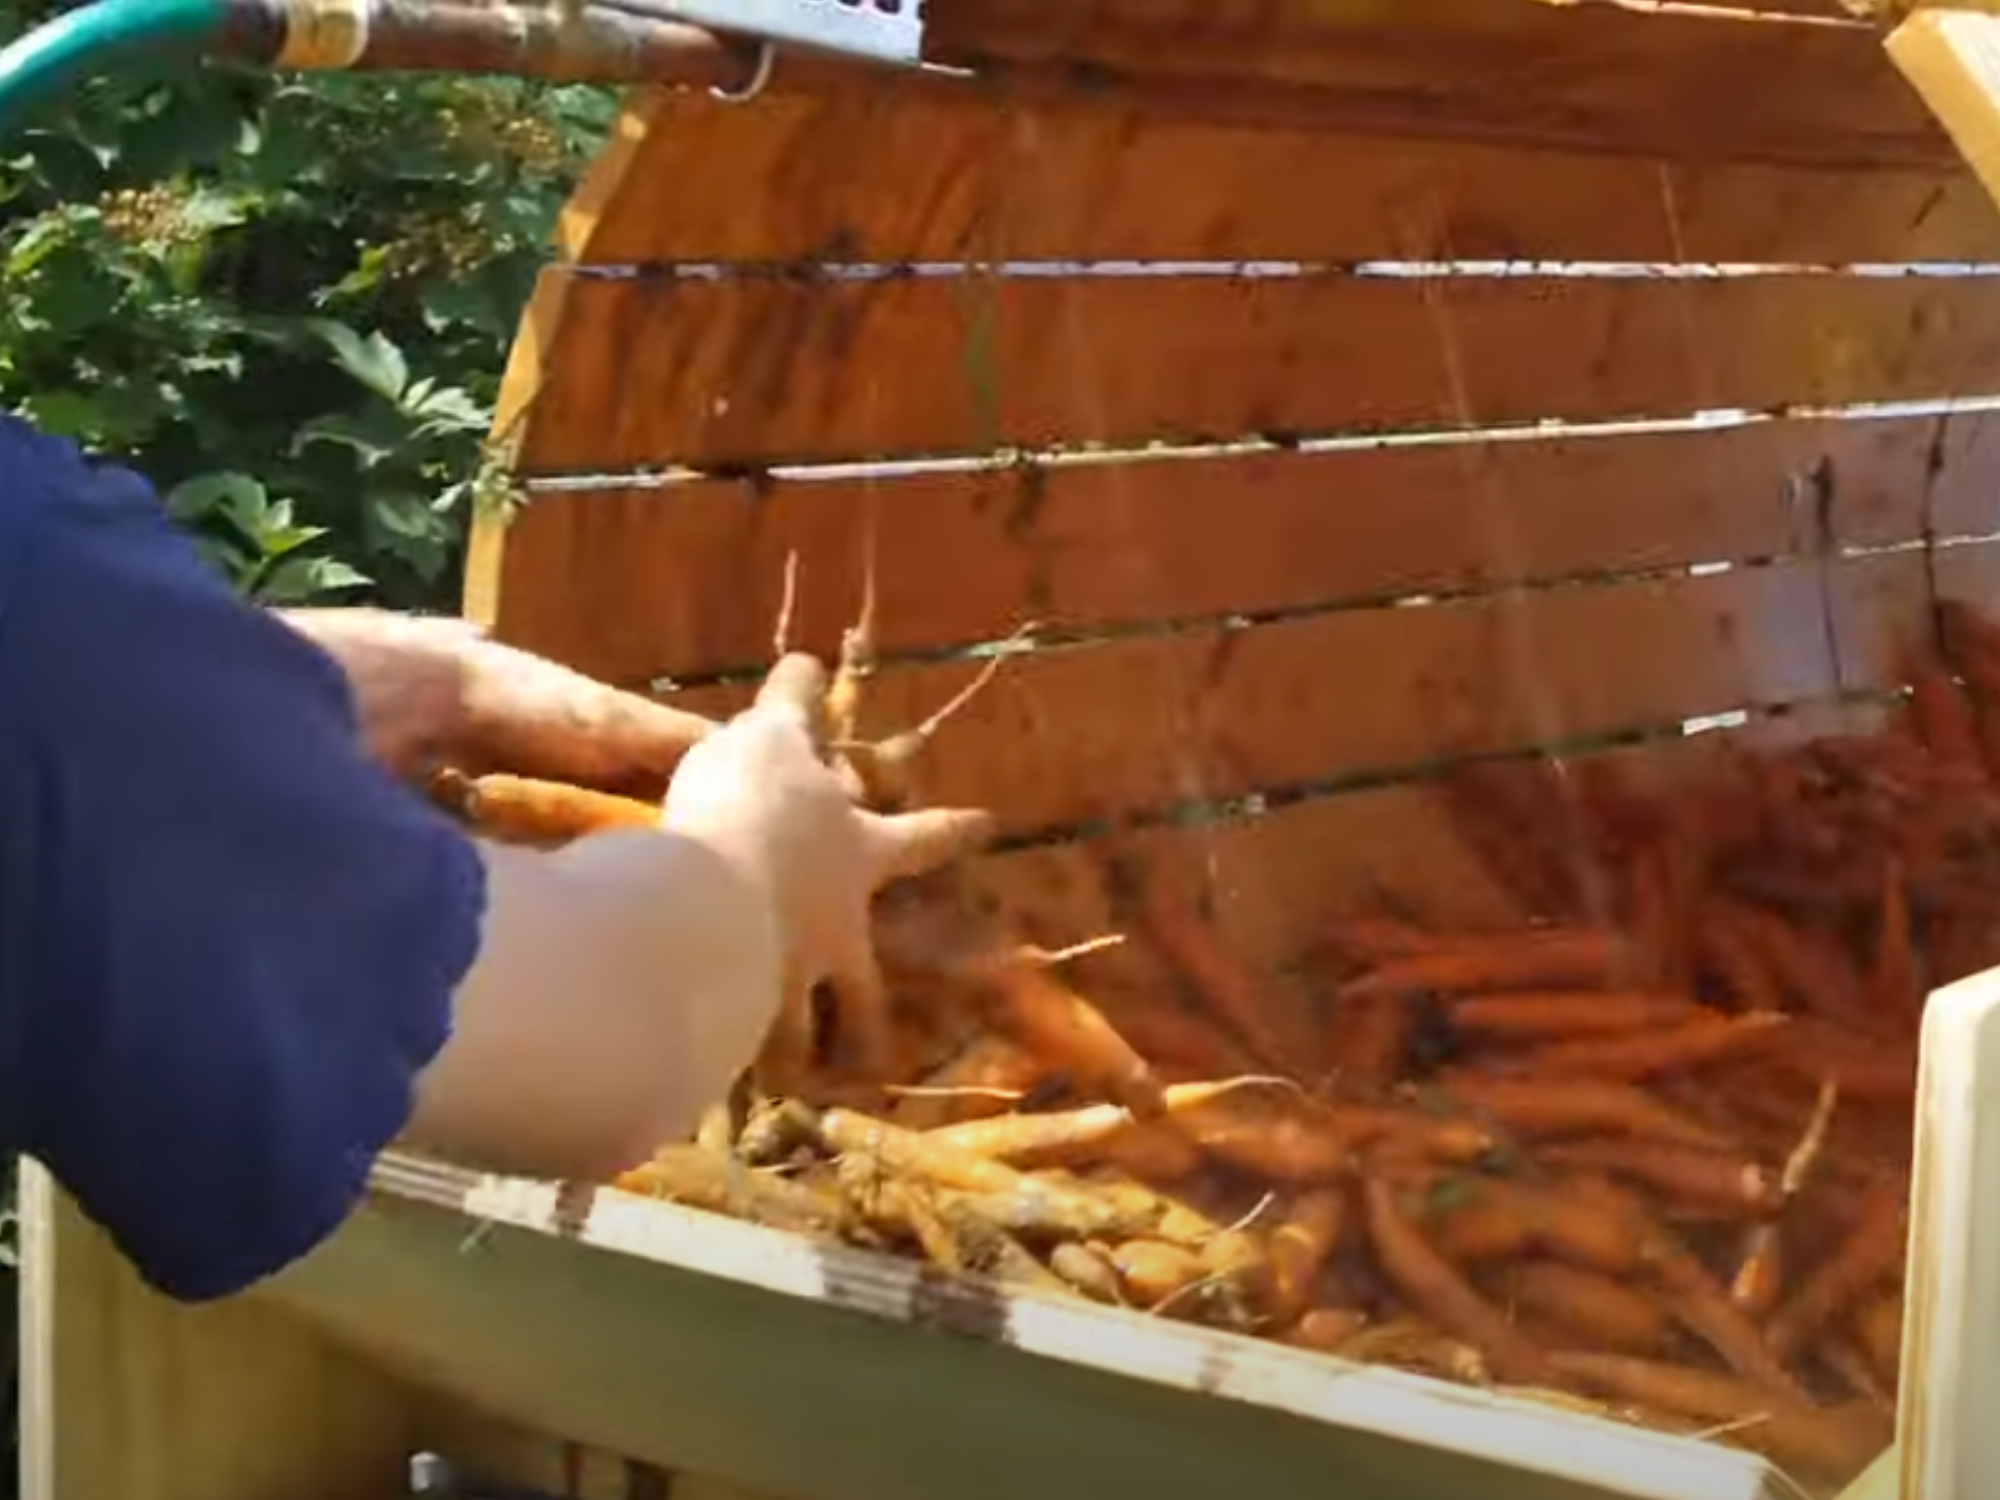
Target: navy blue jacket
<point>228,940</point>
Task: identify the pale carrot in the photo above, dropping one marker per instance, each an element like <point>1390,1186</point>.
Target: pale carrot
<point>988,1076</point>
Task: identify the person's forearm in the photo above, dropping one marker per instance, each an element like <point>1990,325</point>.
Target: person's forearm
<point>621,985</point>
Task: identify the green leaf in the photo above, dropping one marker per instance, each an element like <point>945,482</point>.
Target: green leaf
<point>235,497</point>
<point>299,580</point>
<point>374,361</point>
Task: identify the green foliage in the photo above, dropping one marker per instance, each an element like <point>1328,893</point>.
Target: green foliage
<point>287,300</point>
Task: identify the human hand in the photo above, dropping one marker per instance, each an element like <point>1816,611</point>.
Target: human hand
<point>758,791</point>
<point>429,688</point>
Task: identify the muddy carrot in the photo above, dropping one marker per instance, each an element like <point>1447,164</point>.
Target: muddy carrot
<point>1871,1251</point>
<point>523,807</point>
<point>1088,1268</point>
<point>1372,939</point>
<point>1299,1246</point>
<point>1549,958</point>
<point>1591,1307</point>
<point>1430,1284</point>
<point>1823,1442</point>
<point>1089,1211</point>
<point>1573,1014</point>
<point>1539,1108</point>
<point>1759,1283</point>
<point>714,1181</point>
<point>1702,1180</point>
<point>1635,1057</point>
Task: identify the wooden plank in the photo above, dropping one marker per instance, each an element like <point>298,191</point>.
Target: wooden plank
<point>676,1337</point>
<point>918,169</point>
<point>685,579</point>
<point>128,1396</point>
<point>1074,733</point>
<point>1276,882</point>
<point>1513,70</point>
<point>1949,1448</point>
<point>661,370</point>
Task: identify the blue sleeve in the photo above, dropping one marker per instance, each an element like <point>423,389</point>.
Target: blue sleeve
<point>228,940</point>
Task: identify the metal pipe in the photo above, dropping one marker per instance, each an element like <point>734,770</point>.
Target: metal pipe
<point>574,43</point>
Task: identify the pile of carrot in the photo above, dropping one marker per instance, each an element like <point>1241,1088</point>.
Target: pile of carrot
<point>1646,1153</point>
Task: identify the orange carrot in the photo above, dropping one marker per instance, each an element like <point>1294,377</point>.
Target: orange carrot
<point>1632,1057</point>
<point>1538,1108</point>
<point>1872,1249</point>
<point>523,807</point>
<point>1759,1282</point>
<point>1944,720</point>
<point>1704,1309</point>
<point>1700,1179</point>
<point>1878,1328</point>
<point>1370,1045</point>
<point>1437,1291</point>
<point>1531,1016</point>
<point>1151,1272</point>
<point>1326,1329</point>
<point>1300,1245</point>
<point>1823,1443</point>
<point>1591,1306</point>
<point>1030,1001</point>
<point>1229,992</point>
<point>1543,958</point>
<point>1485,1218</point>
<point>1895,988</point>
<point>988,1076</point>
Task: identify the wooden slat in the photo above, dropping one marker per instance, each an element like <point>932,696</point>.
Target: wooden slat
<point>917,169</point>
<point>1516,70</point>
<point>1276,883</point>
<point>686,580</point>
<point>662,370</point>
<point>1072,734</point>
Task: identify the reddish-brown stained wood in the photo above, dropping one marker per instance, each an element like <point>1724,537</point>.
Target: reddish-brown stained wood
<point>1968,573</point>
<point>1964,497</point>
<point>914,169</point>
<point>686,579</point>
<point>1518,70</point>
<point>1066,735</point>
<point>1278,881</point>
<point>665,371</point>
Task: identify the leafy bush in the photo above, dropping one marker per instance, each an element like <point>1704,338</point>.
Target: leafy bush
<point>287,300</point>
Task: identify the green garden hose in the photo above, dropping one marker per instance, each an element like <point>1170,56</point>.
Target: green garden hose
<point>561,43</point>
<point>100,37</point>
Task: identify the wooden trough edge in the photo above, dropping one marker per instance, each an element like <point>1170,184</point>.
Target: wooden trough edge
<point>1392,1405</point>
